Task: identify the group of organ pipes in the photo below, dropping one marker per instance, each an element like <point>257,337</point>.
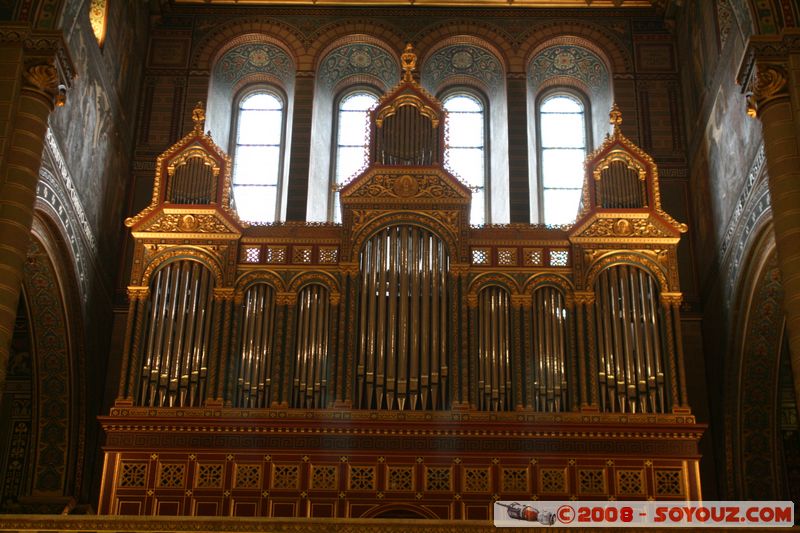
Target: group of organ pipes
<point>404,307</point>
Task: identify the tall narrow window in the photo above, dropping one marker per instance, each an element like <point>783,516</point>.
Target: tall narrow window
<point>465,153</point>
<point>352,141</point>
<point>258,156</point>
<point>562,150</point>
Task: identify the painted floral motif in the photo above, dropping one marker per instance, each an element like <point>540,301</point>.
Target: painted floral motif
<point>572,61</point>
<point>462,60</point>
<point>359,58</point>
<point>254,58</point>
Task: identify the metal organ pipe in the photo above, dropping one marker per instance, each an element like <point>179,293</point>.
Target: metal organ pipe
<point>310,373</point>
<point>253,381</point>
<point>174,360</point>
<point>495,372</point>
<point>192,183</point>
<point>628,338</point>
<point>406,138</point>
<point>549,379</point>
<point>402,316</point>
<point>620,187</point>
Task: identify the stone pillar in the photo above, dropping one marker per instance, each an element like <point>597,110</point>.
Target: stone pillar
<point>770,78</point>
<point>36,71</point>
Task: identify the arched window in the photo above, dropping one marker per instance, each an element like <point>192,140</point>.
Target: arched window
<point>258,155</point>
<point>465,152</point>
<point>351,130</point>
<point>561,120</point>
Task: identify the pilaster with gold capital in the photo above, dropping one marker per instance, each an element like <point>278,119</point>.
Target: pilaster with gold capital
<point>770,80</point>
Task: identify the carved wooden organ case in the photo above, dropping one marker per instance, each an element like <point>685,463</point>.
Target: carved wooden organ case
<point>403,361</point>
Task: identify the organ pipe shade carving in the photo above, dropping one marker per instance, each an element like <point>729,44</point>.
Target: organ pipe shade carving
<point>193,182</point>
<point>403,356</point>
<point>620,186</point>
<point>177,336</point>
<point>257,334</point>
<point>548,370</point>
<point>495,391</point>
<point>407,137</point>
<point>630,341</point>
<point>310,373</point>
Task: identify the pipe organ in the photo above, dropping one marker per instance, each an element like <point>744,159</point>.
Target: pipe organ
<point>401,362</point>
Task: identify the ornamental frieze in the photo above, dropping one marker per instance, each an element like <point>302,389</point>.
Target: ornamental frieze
<point>188,223</point>
<point>405,187</point>
<point>623,227</point>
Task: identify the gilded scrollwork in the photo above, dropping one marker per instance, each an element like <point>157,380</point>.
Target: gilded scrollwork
<point>322,278</point>
<point>202,255</point>
<point>187,223</point>
<point>768,83</point>
<point>624,227</point>
<point>253,277</point>
<point>537,280</point>
<point>634,258</point>
<point>405,186</point>
<point>493,278</point>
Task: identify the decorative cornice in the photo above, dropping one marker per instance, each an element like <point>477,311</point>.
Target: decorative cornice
<point>48,69</point>
<point>763,70</point>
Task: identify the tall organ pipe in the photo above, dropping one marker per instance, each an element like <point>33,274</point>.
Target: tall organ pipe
<point>310,372</point>
<point>173,366</point>
<point>257,333</point>
<point>402,316</point>
<point>629,341</point>
<point>549,331</point>
<point>495,374</point>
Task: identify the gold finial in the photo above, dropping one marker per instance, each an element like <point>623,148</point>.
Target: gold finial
<point>615,116</point>
<point>408,59</point>
<point>199,117</point>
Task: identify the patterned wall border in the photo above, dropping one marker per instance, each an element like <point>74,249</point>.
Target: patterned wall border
<point>751,208</point>
<point>568,61</point>
<point>758,384</point>
<point>48,192</point>
<point>358,59</point>
<point>52,370</point>
<point>69,187</point>
<point>254,58</point>
<point>462,60</point>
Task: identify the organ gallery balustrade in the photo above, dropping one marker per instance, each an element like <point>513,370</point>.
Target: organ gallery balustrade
<point>404,314</point>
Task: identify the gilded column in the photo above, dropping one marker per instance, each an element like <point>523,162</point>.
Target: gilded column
<point>589,381</point>
<point>40,71</point>
<point>770,77</point>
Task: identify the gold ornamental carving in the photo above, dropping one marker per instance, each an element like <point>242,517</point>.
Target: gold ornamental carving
<point>43,78</point>
<point>623,227</point>
<point>138,293</point>
<point>405,186</point>
<point>188,223</point>
<point>768,83</point>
